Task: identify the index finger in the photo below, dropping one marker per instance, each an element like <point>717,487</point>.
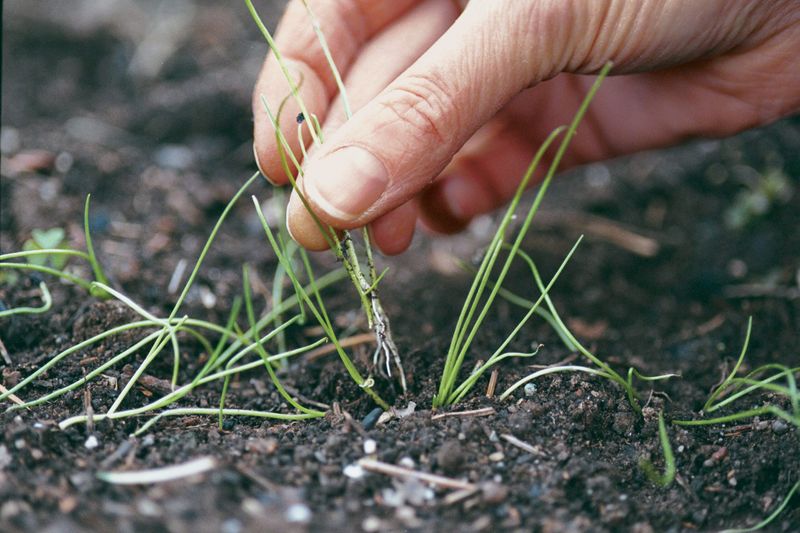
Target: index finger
<point>346,25</point>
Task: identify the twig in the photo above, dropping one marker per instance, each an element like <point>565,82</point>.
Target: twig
<point>354,424</point>
<point>4,353</point>
<point>459,495</point>
<point>567,360</point>
<point>89,409</point>
<point>260,480</point>
<point>177,276</point>
<point>521,444</point>
<point>13,397</point>
<point>399,471</point>
<point>606,229</point>
<point>756,290</point>
<point>349,342</point>
<point>492,383</point>
<point>160,475</point>
<point>294,392</point>
<point>485,411</point>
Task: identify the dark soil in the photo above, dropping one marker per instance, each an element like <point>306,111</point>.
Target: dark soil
<point>161,151</point>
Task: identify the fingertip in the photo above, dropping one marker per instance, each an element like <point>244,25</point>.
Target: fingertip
<point>274,91</point>
<point>302,226</point>
<point>450,203</point>
<point>393,232</point>
<point>267,175</point>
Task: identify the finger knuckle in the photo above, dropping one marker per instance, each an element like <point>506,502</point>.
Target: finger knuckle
<point>425,104</point>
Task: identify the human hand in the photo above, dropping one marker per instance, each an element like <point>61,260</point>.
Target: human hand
<point>450,107</point>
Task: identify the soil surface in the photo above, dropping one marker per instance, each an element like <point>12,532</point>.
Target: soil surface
<point>145,105</point>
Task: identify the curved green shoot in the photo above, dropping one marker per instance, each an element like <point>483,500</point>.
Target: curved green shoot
<point>722,386</point>
<point>47,303</point>
<point>768,520</point>
<point>459,393</point>
<point>44,252</point>
<point>251,318</point>
<point>71,421</point>
<point>665,479</point>
<point>82,283</point>
<point>317,308</point>
<point>551,370</point>
<point>99,275</point>
<point>466,329</point>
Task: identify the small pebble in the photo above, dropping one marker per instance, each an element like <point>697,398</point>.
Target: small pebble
<point>370,446</point>
<point>63,162</point>
<point>530,389</point>
<point>9,140</point>
<point>148,507</point>
<point>354,471</point>
<point>407,462</point>
<point>174,156</point>
<point>371,523</point>
<point>298,513</point>
<point>779,426</point>
<point>231,525</point>
<point>496,456</point>
<point>91,443</point>
<point>493,492</point>
<point>450,457</point>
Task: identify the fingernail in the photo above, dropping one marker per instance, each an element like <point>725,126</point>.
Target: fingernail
<point>346,182</point>
<point>302,227</point>
<point>261,170</point>
<point>457,193</point>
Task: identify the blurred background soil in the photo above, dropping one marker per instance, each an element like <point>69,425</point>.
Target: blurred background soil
<point>146,105</point>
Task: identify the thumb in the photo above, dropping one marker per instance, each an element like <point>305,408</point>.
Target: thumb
<point>395,145</point>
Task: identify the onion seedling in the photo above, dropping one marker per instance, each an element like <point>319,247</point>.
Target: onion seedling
<point>365,279</point>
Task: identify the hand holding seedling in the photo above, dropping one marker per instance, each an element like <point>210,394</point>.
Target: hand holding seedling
<point>450,107</point>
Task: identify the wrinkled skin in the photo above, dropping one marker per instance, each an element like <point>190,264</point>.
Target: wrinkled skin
<point>450,106</point>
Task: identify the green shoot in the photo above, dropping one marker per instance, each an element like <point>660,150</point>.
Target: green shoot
<point>551,370</point>
<point>564,332</point>
<point>665,479</point>
<point>99,275</point>
<point>159,333</point>
<point>317,308</point>
<point>50,239</point>
<point>459,393</point>
<point>251,318</point>
<point>709,405</point>
<point>82,283</point>
<point>47,303</point>
<point>466,328</point>
<point>768,520</point>
<point>46,252</point>
<point>733,389</point>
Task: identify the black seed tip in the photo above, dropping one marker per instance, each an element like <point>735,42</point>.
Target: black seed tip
<point>300,118</point>
<point>372,418</point>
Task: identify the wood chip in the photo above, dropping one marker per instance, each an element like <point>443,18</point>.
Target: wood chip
<point>521,444</point>
<point>13,397</point>
<point>486,411</point>
<point>349,342</point>
<point>492,383</point>
<point>399,471</point>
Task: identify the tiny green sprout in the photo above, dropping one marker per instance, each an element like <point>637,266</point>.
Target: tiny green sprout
<point>47,239</point>
<point>771,188</point>
<point>665,479</point>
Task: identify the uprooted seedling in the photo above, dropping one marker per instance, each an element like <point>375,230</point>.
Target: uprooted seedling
<point>364,277</point>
